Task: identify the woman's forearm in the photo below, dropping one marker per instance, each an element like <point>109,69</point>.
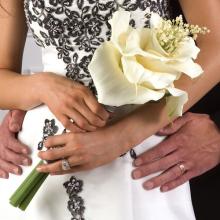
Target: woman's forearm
<point>140,124</point>
<point>151,117</point>
<point>19,91</point>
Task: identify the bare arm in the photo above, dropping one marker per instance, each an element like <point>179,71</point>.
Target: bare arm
<point>12,40</point>
<point>25,92</point>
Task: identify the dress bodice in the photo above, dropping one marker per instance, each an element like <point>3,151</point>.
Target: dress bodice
<point>69,31</point>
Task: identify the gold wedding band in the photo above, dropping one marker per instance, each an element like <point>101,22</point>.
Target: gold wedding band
<point>182,168</point>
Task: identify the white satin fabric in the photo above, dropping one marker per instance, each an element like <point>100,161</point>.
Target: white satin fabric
<point>109,192</point>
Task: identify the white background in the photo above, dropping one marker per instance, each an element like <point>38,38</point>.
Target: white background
<point>31,60</point>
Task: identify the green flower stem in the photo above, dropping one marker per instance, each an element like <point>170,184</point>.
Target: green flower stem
<point>24,204</point>
<point>24,182</point>
<point>26,187</point>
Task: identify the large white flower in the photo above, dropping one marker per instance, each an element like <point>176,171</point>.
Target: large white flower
<point>133,68</point>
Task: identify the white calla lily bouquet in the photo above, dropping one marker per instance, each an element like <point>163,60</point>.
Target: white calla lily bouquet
<point>136,66</point>
<point>140,65</point>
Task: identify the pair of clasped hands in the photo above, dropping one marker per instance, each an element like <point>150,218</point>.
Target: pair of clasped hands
<point>192,138</point>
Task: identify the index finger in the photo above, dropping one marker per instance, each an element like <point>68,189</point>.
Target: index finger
<point>162,149</point>
<point>96,107</point>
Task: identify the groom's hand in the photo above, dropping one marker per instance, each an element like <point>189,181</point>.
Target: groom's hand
<point>12,152</point>
<point>192,148</point>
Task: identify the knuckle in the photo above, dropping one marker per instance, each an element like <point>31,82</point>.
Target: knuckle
<point>70,99</point>
<point>82,91</point>
<point>49,155</point>
<point>4,154</point>
<point>75,98</point>
<point>48,142</point>
<point>94,120</point>
<point>158,181</point>
<point>66,122</point>
<point>160,151</point>
<point>174,172</point>
<point>83,124</point>
<point>146,170</point>
<point>189,115</point>
<point>71,137</point>
<point>97,109</point>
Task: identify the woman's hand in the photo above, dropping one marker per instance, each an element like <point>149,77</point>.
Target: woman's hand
<point>70,100</point>
<point>194,142</point>
<point>13,154</point>
<point>84,151</point>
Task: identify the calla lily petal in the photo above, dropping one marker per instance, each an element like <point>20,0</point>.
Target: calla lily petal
<point>187,49</point>
<point>137,74</point>
<point>188,67</point>
<point>112,86</point>
<point>120,27</point>
<point>175,102</point>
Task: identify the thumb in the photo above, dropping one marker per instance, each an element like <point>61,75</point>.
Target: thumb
<point>175,125</point>
<point>16,120</point>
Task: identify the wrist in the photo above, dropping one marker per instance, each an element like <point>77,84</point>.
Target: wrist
<point>40,88</point>
<point>141,124</point>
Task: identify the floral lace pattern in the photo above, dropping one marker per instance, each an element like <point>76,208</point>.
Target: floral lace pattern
<point>49,129</point>
<point>75,203</point>
<point>77,27</point>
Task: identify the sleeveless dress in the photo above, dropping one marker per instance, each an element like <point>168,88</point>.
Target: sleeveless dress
<point>69,31</point>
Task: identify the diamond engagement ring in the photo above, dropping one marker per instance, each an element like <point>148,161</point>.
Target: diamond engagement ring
<point>65,165</point>
<point>182,168</point>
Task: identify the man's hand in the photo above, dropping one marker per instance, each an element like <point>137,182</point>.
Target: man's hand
<point>12,152</point>
<point>194,143</point>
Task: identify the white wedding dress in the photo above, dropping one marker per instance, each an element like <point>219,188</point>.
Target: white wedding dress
<point>69,31</point>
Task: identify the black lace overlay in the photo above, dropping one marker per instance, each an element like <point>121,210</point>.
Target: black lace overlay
<point>75,203</point>
<point>77,27</point>
<point>49,129</point>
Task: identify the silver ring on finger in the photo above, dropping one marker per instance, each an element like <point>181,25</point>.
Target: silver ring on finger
<point>182,168</point>
<point>65,165</point>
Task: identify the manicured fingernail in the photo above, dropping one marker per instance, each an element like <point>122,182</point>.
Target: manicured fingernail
<point>149,185</point>
<point>137,174</point>
<point>138,162</point>
<point>16,171</point>
<point>164,189</point>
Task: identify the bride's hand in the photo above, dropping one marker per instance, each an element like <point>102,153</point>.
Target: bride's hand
<point>84,151</point>
<point>70,100</point>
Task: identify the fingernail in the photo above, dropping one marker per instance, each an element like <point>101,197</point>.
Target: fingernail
<point>137,174</point>
<point>138,162</point>
<point>16,171</point>
<point>148,185</point>
<point>164,189</point>
<point>26,162</point>
<point>4,176</point>
<point>39,169</point>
